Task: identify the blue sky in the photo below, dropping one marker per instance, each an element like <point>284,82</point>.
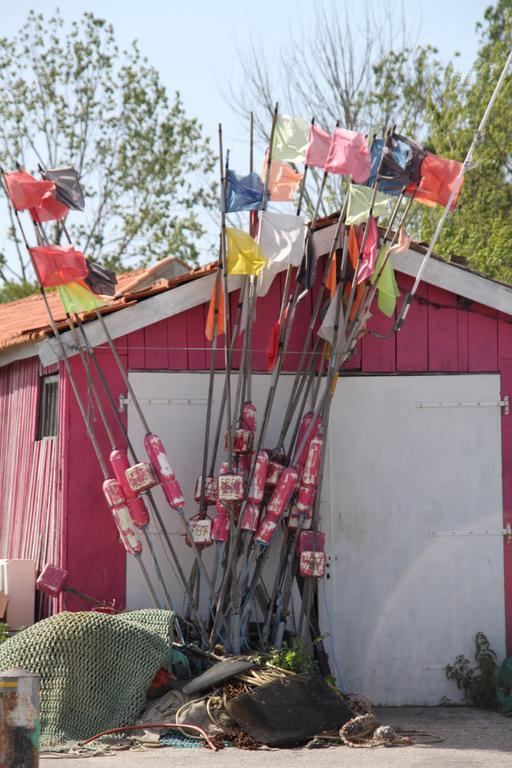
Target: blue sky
<point>195,45</point>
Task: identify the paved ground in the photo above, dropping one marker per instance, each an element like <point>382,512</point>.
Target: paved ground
<point>472,738</point>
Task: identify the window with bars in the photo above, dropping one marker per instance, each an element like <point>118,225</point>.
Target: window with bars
<point>47,415</point>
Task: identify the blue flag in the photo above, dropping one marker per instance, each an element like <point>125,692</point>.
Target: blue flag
<point>391,187</point>
<point>243,193</point>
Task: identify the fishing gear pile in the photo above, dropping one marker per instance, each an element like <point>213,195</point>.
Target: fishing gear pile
<point>257,498</point>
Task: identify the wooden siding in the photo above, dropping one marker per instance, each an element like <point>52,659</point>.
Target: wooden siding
<point>31,519</point>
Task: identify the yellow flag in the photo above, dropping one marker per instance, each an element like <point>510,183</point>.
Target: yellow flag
<point>244,254</point>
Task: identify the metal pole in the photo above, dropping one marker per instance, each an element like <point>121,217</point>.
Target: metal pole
<point>469,157</point>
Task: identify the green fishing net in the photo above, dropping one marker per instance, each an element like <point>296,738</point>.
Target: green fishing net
<point>95,668</point>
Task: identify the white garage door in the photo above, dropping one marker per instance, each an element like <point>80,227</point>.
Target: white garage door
<point>408,482</point>
<point>405,485</point>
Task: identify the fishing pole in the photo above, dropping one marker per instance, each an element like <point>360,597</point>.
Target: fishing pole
<point>120,512</point>
<point>455,189</point>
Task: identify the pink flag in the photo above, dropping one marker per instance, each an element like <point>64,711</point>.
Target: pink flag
<point>369,256</point>
<point>317,150</point>
<point>349,155</point>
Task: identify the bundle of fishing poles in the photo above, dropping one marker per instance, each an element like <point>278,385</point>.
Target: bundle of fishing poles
<point>264,498</point>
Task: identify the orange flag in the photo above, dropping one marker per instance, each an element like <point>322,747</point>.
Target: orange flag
<point>283,181</point>
<point>353,253</point>
<point>212,310</point>
<point>330,281</point>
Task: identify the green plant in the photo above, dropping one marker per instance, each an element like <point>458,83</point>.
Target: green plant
<point>477,683</point>
<point>3,632</point>
<point>296,659</point>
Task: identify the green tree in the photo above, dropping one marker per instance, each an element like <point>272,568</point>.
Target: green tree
<point>71,96</point>
<point>368,76</point>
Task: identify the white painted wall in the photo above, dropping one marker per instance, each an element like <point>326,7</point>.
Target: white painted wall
<point>402,604</point>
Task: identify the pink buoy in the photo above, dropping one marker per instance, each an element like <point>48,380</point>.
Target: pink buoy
<point>230,488</point>
<point>200,531</point>
<point>312,564</point>
<point>140,477</point>
<point>282,493</point>
<point>249,416</point>
<point>312,541</point>
<point>163,470</point>
<point>302,446</point>
<point>243,440</point>
<point>210,490</point>
<point>274,469</point>
<point>312,465</point>
<point>257,489</point>
<point>250,517</point>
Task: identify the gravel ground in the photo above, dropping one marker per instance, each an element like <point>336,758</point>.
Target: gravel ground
<point>471,738</point>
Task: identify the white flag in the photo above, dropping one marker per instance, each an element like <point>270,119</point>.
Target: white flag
<point>281,241</point>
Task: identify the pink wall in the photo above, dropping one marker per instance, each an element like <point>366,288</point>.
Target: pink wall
<point>31,520</point>
<point>440,336</point>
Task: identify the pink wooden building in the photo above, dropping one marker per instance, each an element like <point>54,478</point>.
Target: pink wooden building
<point>417,497</point>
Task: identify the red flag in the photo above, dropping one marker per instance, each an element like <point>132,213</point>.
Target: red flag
<point>49,209</point>
<point>273,343</point>
<point>58,265</point>
<point>438,177</point>
<point>25,191</point>
<point>209,328</point>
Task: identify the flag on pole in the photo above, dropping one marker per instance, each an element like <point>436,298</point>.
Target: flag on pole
<point>359,200</point>
<point>319,143</point>
<point>349,155</point>
<point>331,319</point>
<point>100,279</point>
<point>272,349</point>
<point>388,290</point>
<point>281,240</point>
<point>25,191</point>
<point>68,189</point>
<point>290,139</point>
<point>210,320</point>
<point>244,256</point>
<point>49,209</point>
<point>369,255</point>
<point>58,265</point>
<point>243,193</point>
<point>330,282</point>
<point>354,258</point>
<point>391,187</point>
<point>76,297</point>
<point>396,162</point>
<point>283,181</point>
<point>438,177</point>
